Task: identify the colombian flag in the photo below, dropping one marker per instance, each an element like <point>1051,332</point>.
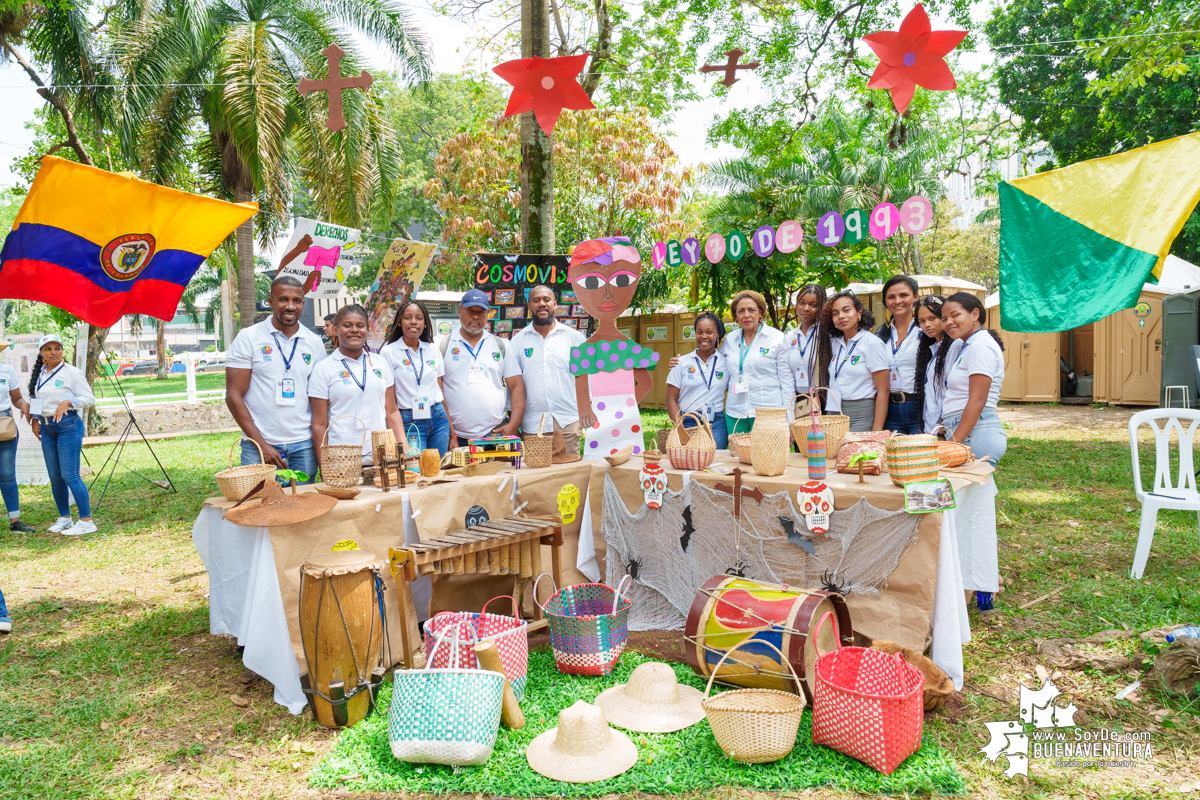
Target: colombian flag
<point>100,245</point>
<point>1078,243</point>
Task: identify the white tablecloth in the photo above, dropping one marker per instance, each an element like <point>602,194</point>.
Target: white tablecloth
<point>244,599</point>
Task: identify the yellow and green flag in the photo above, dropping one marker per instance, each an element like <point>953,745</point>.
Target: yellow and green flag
<point>1078,243</point>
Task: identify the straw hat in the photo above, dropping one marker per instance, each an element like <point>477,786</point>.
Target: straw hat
<point>278,509</point>
<point>582,749</point>
<point>652,701</point>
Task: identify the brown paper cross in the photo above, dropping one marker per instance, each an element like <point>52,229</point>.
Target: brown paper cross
<point>730,67</point>
<point>334,83</point>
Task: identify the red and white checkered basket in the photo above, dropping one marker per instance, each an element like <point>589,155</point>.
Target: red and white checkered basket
<point>867,704</point>
<point>460,630</point>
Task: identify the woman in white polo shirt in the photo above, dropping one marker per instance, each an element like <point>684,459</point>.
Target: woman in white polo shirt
<point>931,360</point>
<point>974,372</point>
<point>857,363</point>
<point>57,391</point>
<point>698,380</point>
<point>352,382</point>
<point>758,363</point>
<point>901,337</point>
<point>417,367</point>
<point>801,341</point>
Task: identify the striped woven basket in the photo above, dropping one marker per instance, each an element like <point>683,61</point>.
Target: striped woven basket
<point>691,448</point>
<point>589,625</point>
<point>912,459</point>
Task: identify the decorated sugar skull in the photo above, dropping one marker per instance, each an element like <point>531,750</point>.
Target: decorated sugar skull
<point>654,483</point>
<point>568,501</point>
<point>816,505</point>
<point>476,515</point>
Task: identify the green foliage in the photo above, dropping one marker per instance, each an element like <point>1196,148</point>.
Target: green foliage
<point>1160,40</point>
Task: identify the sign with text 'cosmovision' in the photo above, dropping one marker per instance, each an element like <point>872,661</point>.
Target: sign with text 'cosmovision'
<point>508,279</point>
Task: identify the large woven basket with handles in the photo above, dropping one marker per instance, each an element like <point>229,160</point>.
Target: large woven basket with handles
<point>462,630</point>
<point>691,448</point>
<point>589,626</point>
<point>755,726</point>
<point>236,482</point>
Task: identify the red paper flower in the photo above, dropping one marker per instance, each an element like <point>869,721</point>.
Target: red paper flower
<point>912,56</point>
<point>545,86</point>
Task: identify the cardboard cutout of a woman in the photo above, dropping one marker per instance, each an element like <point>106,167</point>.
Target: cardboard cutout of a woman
<point>612,372</point>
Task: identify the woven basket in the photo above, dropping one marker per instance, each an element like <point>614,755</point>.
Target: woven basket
<point>739,443</point>
<point>770,441</point>
<point>867,704</point>
<point>802,420</point>
<point>835,426</point>
<point>754,726</point>
<point>951,454</point>
<point>661,439</point>
<point>341,464</point>
<point>691,450</point>
<point>589,625</point>
<point>537,450</point>
<point>912,459</point>
<point>461,630</point>
<point>445,716</point>
<point>235,482</point>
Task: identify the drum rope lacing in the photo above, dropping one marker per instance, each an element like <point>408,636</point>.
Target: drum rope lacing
<point>363,683</point>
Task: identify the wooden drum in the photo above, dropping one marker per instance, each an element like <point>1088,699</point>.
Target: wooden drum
<point>342,630</point>
<point>728,611</point>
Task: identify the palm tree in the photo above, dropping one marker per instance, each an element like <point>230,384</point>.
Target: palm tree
<point>233,66</point>
<point>205,286</point>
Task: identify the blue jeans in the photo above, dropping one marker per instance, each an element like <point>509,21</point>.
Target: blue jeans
<point>297,455</point>
<point>720,435</point>
<point>987,438</point>
<point>3,608</point>
<point>432,433</point>
<point>62,442</point>
<point>904,418</point>
<point>8,474</point>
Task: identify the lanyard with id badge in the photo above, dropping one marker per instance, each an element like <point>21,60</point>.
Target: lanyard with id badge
<point>894,371</point>
<point>285,389</point>
<point>362,388</point>
<point>802,344</point>
<point>420,403</point>
<point>475,374</point>
<point>708,406</point>
<point>36,404</point>
<point>741,385</point>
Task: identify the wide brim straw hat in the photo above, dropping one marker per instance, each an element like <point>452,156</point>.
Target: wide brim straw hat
<point>652,701</point>
<point>582,749</point>
<point>278,509</point>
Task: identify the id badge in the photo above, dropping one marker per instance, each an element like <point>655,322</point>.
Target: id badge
<point>708,411</point>
<point>35,407</point>
<point>286,395</point>
<point>894,378</point>
<point>420,408</point>
<point>802,375</point>
<point>475,375</point>
<point>739,387</point>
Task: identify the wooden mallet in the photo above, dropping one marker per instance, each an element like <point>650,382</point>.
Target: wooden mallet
<point>510,710</point>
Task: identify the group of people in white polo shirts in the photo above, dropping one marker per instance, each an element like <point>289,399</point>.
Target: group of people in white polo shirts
<point>933,367</point>
<point>289,396</point>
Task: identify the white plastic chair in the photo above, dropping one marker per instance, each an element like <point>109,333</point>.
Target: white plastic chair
<point>1182,493</point>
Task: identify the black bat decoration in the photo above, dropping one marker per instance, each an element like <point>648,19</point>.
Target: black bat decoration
<point>688,530</point>
<point>793,536</point>
<point>830,583</point>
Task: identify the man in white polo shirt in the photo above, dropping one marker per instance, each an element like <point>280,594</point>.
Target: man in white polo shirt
<point>478,367</point>
<point>266,382</point>
<point>543,352</point>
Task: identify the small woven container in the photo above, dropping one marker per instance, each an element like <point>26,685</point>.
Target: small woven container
<point>589,626</point>
<point>235,482</point>
<point>537,450</point>
<point>739,443</point>
<point>867,704</point>
<point>754,726</point>
<point>835,426</point>
<point>341,464</point>
<point>691,448</point>
<point>770,441</point>
<point>462,630</point>
<point>912,459</point>
<point>952,454</point>
<point>661,438</point>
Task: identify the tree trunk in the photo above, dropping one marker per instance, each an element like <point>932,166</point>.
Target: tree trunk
<point>160,347</point>
<point>537,149</point>
<point>245,265</point>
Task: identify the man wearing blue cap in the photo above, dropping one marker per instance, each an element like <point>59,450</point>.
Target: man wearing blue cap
<point>478,368</point>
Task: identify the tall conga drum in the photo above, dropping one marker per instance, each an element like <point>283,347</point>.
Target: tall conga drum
<point>729,610</point>
<point>342,630</point>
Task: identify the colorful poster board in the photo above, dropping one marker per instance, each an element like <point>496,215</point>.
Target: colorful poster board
<point>508,279</point>
<point>323,247</point>
<point>404,266</point>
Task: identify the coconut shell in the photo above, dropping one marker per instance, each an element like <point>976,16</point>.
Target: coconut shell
<point>938,685</point>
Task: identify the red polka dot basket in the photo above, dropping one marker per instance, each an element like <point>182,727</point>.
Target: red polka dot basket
<point>589,625</point>
<point>867,704</point>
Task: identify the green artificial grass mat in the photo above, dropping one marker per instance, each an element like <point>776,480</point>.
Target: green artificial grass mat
<point>668,763</point>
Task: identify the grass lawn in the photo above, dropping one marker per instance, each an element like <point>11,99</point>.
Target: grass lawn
<point>150,385</point>
<point>112,686</point>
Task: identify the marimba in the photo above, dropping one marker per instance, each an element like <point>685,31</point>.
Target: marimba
<point>508,546</point>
